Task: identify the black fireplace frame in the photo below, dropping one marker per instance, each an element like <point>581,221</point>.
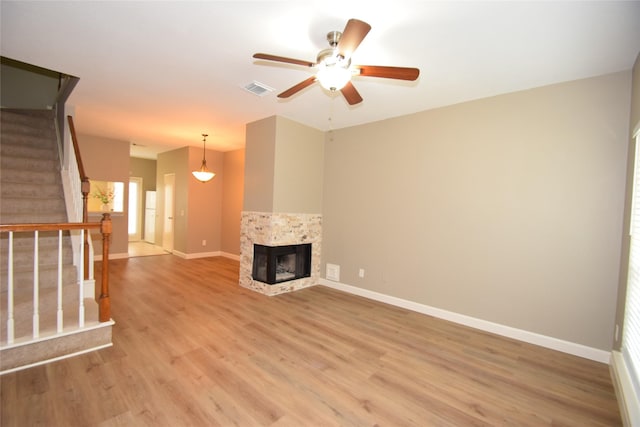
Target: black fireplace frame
<point>271,253</point>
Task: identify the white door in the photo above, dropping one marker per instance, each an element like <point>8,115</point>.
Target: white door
<point>135,209</point>
<point>169,211</point>
<point>150,217</point>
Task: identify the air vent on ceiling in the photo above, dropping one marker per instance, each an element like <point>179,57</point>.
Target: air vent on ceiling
<point>257,88</point>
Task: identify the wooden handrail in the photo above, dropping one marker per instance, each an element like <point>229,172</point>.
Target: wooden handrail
<point>105,227</point>
<point>76,148</point>
<point>85,189</point>
<point>50,226</point>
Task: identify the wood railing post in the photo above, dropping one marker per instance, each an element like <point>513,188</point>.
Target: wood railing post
<point>104,303</point>
<point>85,188</point>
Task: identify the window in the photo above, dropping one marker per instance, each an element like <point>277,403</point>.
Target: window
<point>106,196</point>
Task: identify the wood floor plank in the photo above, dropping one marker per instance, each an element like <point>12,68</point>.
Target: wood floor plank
<point>193,348</point>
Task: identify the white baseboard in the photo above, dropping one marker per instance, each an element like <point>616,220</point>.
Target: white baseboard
<point>496,328</point>
<point>628,400</point>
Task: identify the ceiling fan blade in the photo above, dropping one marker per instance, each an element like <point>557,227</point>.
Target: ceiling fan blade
<point>353,34</point>
<point>351,94</point>
<point>400,73</point>
<point>297,88</point>
<point>268,57</point>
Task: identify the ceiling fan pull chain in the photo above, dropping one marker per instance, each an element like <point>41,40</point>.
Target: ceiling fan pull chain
<point>331,100</point>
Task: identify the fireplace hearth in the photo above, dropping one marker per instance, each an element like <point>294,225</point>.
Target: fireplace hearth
<point>277,264</point>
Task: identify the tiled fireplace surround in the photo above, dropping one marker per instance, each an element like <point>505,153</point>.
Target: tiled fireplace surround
<point>277,229</point>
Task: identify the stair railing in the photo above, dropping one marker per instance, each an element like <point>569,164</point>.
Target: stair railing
<point>85,189</point>
<point>104,305</point>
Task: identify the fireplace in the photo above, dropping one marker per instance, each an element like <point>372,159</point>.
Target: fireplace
<point>275,230</point>
<point>277,264</point>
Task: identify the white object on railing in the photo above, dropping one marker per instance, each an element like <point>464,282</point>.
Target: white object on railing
<point>36,291</point>
<point>60,316</point>
<point>81,283</point>
<point>10,320</point>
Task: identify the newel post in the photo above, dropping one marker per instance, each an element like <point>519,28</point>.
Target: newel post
<point>104,303</point>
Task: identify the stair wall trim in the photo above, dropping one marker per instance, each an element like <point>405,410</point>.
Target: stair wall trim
<point>55,359</point>
<point>89,288</point>
<point>110,323</point>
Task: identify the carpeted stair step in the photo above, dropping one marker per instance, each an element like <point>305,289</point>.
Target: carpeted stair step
<point>21,205</point>
<point>34,217</point>
<point>12,149</point>
<point>29,120</point>
<point>18,176</point>
<point>31,190</point>
<point>10,163</point>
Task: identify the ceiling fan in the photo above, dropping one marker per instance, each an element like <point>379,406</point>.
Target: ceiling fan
<point>334,64</point>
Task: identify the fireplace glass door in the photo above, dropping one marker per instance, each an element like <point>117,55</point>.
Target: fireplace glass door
<point>276,264</point>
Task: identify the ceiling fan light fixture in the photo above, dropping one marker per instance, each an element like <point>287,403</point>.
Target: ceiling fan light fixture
<point>333,77</point>
<point>203,174</point>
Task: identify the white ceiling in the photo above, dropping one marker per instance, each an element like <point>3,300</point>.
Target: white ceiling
<point>158,74</point>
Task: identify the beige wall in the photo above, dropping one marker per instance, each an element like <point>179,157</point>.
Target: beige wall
<point>634,124</point>
<point>197,205</point>
<point>299,160</point>
<point>283,167</point>
<point>107,159</point>
<point>145,169</point>
<point>232,195</point>
<point>259,168</point>
<point>506,209</point>
<point>204,208</point>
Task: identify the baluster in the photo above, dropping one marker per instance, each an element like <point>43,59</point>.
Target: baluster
<point>36,292</point>
<point>81,284</point>
<point>10,321</point>
<point>60,313</point>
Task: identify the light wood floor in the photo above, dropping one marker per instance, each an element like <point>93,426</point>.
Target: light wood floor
<point>192,348</point>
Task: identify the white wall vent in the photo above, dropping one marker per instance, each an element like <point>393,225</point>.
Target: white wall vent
<point>333,272</point>
<point>257,88</point>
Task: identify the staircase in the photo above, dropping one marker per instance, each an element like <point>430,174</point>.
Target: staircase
<point>31,192</point>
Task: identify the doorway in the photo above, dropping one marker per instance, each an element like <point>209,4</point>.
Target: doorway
<point>135,209</point>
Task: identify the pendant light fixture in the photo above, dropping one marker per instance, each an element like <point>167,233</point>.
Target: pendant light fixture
<point>203,174</point>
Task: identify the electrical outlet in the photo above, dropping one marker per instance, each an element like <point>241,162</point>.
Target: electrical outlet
<point>204,243</point>
<point>617,332</point>
<point>361,273</point>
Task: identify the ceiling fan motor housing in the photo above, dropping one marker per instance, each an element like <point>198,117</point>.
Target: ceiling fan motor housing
<point>333,37</point>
